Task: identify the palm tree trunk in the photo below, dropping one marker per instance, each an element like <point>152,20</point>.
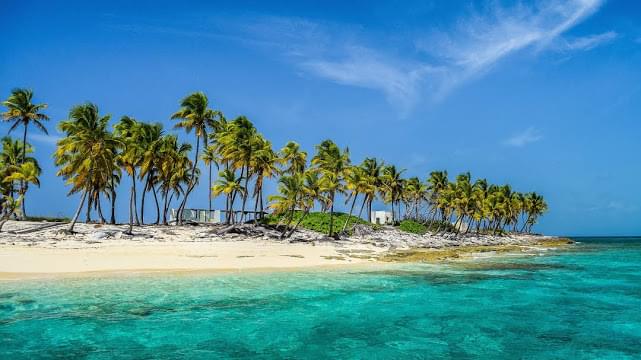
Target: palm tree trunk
<point>99,206</point>
<point>142,200</point>
<point>23,184</point>
<point>291,232</point>
<point>153,190</point>
<point>131,207</point>
<point>164,209</point>
<point>192,183</point>
<point>113,202</point>
<point>89,203</point>
<point>360,212</point>
<point>331,216</point>
<point>245,195</point>
<point>349,217</point>
<point>209,189</point>
<point>133,179</point>
<point>75,217</point>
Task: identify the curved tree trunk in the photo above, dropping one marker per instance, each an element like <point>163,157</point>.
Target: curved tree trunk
<point>142,199</point>
<point>133,179</point>
<point>192,183</point>
<point>349,217</point>
<point>75,217</point>
<point>153,190</point>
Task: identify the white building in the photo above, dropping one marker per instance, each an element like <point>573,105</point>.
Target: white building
<point>381,217</point>
<point>197,215</point>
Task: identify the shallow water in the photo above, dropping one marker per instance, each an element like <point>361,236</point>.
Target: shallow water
<point>581,303</point>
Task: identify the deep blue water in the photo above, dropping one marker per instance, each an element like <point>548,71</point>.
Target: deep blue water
<point>584,303</point>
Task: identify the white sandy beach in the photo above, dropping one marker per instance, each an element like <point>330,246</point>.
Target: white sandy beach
<point>104,248</point>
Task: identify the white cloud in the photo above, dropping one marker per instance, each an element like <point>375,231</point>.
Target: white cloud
<point>365,68</point>
<point>528,136</point>
<point>591,41</point>
<point>45,139</point>
<point>439,63</point>
<point>469,50</point>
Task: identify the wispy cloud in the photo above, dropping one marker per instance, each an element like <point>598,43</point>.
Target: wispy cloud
<point>365,68</point>
<point>528,136</point>
<point>473,47</point>
<point>441,61</point>
<point>44,139</point>
<point>591,41</point>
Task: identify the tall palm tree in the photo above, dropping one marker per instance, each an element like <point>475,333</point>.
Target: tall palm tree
<point>86,153</point>
<point>331,162</point>
<point>130,132</point>
<point>22,111</point>
<point>392,186</point>
<point>194,114</point>
<point>371,183</point>
<point>264,165</point>
<point>151,140</point>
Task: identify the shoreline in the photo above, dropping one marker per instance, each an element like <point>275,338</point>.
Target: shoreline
<point>104,249</point>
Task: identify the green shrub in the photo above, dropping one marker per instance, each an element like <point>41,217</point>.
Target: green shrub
<point>318,221</point>
<point>413,227</point>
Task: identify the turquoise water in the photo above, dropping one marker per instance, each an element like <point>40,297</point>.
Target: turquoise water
<point>579,304</point>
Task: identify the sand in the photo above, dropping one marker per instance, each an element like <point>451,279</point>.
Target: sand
<point>29,249</point>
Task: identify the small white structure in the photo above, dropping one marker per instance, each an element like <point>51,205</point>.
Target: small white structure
<point>197,215</point>
<point>381,217</point>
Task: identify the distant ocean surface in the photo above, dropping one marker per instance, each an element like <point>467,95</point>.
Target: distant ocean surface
<point>584,303</point>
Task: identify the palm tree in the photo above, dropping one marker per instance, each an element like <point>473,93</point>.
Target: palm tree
<point>86,153</point>
<point>371,183</point>
<point>22,111</point>
<point>130,133</point>
<point>196,115</point>
<point>284,204</point>
<point>240,142</point>
<point>354,183</point>
<point>331,162</point>
<point>25,173</point>
<point>294,158</point>
<point>229,184</point>
<point>264,165</point>
<point>391,187</point>
<point>151,139</point>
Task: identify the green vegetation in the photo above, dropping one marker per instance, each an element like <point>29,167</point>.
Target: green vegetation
<point>317,221</point>
<point>413,227</point>
<point>48,218</point>
<point>94,155</point>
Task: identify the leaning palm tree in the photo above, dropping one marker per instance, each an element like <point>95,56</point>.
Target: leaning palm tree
<point>86,153</point>
<point>22,111</point>
<point>130,133</point>
<point>331,162</point>
<point>196,115</point>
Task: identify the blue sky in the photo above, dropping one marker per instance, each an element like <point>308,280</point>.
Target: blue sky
<point>543,95</point>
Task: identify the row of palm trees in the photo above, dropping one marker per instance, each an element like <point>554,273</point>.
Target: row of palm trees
<point>92,159</point>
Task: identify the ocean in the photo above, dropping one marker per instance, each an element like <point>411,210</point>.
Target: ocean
<point>578,303</point>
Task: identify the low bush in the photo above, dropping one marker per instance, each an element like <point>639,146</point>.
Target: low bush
<point>413,227</point>
<point>318,221</point>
